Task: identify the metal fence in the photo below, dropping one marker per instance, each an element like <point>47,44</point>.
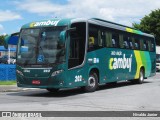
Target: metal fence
<point>7,72</point>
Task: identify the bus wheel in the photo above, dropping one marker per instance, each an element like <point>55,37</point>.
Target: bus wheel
<point>141,77</point>
<point>52,89</point>
<point>92,83</point>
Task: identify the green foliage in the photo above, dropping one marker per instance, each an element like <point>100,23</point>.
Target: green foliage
<point>2,39</point>
<point>150,24</point>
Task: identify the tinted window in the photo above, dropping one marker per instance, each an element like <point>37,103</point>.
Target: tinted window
<point>137,44</point>
<point>151,45</point>
<point>126,42</point>
<point>96,36</point>
<point>108,39</point>
<point>121,41</point>
<point>115,40</point>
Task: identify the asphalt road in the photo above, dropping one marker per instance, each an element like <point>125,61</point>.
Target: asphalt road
<point>125,96</point>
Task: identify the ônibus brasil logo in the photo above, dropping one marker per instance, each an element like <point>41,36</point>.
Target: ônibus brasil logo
<point>120,63</point>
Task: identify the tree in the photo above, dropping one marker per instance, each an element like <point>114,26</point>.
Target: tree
<point>150,24</point>
<point>2,39</point>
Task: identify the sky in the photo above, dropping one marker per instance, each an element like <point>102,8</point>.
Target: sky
<point>15,13</point>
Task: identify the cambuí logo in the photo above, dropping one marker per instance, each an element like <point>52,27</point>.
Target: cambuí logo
<point>44,23</point>
<point>121,63</point>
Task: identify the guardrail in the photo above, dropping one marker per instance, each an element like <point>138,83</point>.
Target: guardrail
<point>7,72</point>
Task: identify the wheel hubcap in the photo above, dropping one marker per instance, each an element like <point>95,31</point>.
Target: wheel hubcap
<point>91,82</point>
<point>141,76</point>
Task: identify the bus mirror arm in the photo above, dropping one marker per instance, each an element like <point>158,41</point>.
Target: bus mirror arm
<point>71,29</point>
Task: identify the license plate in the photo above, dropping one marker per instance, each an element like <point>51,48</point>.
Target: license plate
<point>36,82</point>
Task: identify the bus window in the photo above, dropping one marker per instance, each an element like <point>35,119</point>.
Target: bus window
<point>145,46</point>
<point>126,44</point>
<point>121,41</point>
<point>100,41</point>
<point>141,44</point>
<point>96,36</point>
<point>108,39</point>
<point>132,43</point>
<point>91,41</point>
<point>115,40</point>
<point>137,47</point>
<point>151,46</point>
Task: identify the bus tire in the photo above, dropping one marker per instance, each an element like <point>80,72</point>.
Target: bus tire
<point>141,76</point>
<point>52,90</point>
<point>92,82</point>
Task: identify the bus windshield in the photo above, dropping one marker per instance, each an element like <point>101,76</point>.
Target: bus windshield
<point>40,46</point>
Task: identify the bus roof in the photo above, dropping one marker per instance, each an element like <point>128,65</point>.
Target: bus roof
<point>67,21</point>
<point>118,26</point>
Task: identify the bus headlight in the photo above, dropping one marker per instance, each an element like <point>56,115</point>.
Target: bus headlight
<point>19,72</point>
<point>56,72</point>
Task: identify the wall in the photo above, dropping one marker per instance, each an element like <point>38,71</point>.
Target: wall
<point>7,72</point>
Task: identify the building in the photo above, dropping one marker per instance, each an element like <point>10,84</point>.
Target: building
<point>11,51</point>
<point>157,49</point>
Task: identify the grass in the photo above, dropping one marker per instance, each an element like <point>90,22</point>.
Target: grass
<point>12,82</point>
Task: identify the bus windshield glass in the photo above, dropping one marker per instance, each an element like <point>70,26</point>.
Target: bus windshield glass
<point>40,46</point>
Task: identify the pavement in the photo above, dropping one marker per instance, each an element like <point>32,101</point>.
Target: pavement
<point>9,88</point>
<point>13,88</point>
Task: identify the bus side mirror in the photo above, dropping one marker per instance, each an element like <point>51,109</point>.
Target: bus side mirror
<point>62,38</point>
<point>6,40</point>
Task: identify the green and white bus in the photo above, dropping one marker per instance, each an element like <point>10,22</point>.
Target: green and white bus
<point>68,53</point>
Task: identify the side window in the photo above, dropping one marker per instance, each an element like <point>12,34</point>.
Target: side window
<point>108,39</point>
<point>141,44</point>
<point>145,46</point>
<point>151,45</point>
<point>93,37</point>
<point>115,40</point>
<point>100,36</point>
<point>126,42</point>
<point>136,44</point>
<point>132,43</point>
<point>121,41</point>
<point>96,37</point>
